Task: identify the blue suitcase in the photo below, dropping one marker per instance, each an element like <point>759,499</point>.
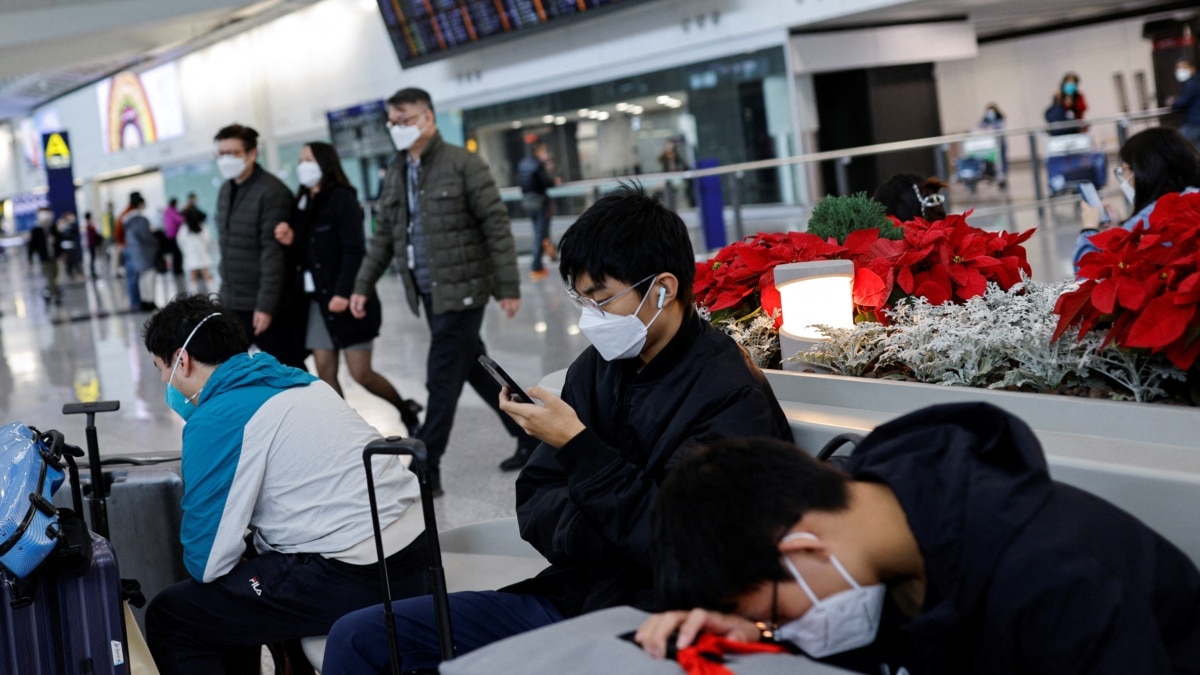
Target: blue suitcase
<point>57,621</point>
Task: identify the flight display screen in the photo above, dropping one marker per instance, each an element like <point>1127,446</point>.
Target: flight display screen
<point>425,30</point>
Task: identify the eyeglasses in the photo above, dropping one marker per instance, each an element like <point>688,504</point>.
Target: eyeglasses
<point>585,302</point>
<point>768,629</point>
<point>407,121</point>
<point>1120,172</point>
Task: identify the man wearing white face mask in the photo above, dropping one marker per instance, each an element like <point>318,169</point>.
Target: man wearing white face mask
<point>657,382</point>
<point>944,548</point>
<point>1187,101</point>
<point>254,281</point>
<point>273,450</point>
<point>441,216</point>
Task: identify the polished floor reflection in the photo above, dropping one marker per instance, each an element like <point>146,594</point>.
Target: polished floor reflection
<point>90,346</point>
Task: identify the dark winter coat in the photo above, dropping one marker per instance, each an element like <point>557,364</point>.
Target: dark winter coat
<point>469,240</point>
<point>1024,574</point>
<point>329,236</point>
<point>252,263</point>
<point>586,506</point>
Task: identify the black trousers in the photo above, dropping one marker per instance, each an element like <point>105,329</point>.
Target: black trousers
<point>194,628</point>
<point>454,349</point>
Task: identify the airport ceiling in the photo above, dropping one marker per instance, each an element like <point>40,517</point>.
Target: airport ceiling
<point>51,47</point>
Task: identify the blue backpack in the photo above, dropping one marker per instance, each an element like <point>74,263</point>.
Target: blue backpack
<point>31,470</point>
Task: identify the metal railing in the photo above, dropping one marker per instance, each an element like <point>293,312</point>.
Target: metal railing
<point>593,188</point>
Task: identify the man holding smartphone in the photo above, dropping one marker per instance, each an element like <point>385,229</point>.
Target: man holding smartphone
<point>441,213</point>
<point>657,382</point>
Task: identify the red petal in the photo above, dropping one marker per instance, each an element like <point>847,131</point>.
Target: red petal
<point>869,289</point>
<point>1160,324</point>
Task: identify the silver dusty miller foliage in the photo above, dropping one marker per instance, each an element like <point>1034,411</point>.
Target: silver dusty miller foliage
<point>998,340</point>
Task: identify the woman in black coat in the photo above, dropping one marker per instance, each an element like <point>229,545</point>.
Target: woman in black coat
<point>328,240</point>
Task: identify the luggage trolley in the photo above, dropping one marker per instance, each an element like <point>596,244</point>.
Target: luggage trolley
<point>1071,159</point>
<point>978,161</point>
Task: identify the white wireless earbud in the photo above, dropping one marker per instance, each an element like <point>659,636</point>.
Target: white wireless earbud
<point>662,296</point>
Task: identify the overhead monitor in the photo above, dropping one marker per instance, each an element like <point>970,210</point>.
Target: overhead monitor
<point>426,30</point>
<point>360,131</point>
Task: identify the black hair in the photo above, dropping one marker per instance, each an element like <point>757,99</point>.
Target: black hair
<point>136,200</point>
<point>248,136</point>
<point>87,215</point>
<point>628,236</point>
<point>411,95</point>
<point>221,337</point>
<point>191,195</point>
<point>172,202</point>
<point>1163,161</point>
<point>899,199</point>
<point>722,512</point>
<point>331,166</point>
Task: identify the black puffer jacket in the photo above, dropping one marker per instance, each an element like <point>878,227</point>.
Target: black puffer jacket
<point>469,239</point>
<point>586,506</point>
<point>1023,574</point>
<point>252,263</point>
<point>329,235</point>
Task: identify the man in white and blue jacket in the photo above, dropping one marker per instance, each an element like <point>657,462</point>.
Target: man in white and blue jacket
<point>276,530</point>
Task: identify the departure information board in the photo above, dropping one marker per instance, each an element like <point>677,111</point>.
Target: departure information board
<point>425,30</point>
<point>360,131</point>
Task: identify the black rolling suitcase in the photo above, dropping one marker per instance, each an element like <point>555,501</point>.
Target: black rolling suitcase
<point>66,618</point>
<point>437,575</point>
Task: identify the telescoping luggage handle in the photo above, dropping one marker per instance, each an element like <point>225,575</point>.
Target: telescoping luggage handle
<point>397,446</point>
<point>99,489</point>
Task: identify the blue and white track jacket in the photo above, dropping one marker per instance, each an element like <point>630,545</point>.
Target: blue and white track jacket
<point>274,449</point>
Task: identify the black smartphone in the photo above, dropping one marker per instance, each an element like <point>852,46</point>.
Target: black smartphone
<point>1092,198</point>
<point>672,650</point>
<point>515,391</point>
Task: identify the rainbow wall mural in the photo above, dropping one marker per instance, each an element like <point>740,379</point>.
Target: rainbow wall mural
<point>130,116</point>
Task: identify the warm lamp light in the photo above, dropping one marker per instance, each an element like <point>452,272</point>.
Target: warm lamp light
<point>812,294</point>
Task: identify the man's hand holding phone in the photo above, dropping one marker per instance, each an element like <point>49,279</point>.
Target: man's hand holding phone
<point>554,422</point>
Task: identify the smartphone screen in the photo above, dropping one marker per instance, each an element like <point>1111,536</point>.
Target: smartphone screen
<point>1092,198</point>
<point>516,391</point>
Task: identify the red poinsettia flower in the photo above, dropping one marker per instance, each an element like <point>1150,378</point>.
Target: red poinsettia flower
<point>944,261</point>
<point>1143,284</point>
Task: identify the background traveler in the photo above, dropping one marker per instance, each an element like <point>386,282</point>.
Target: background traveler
<point>441,213</point>
<point>1187,101</point>
<point>254,282</point>
<point>328,241</point>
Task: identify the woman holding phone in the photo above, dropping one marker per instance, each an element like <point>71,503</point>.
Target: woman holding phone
<point>1153,163</point>
<point>327,235</point>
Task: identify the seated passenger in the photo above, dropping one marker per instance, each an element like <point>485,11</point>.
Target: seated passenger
<point>274,450</point>
<point>946,549</point>
<point>657,382</point>
<point>1154,162</point>
<point>907,196</point>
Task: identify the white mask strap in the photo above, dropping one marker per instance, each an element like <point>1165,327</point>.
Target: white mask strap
<point>837,564</point>
<point>185,344</point>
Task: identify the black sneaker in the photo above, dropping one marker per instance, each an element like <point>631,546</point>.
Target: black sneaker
<point>518,460</point>
<point>435,483</point>
<point>408,415</point>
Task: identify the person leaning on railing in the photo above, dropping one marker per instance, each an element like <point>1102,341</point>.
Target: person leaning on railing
<point>1155,162</point>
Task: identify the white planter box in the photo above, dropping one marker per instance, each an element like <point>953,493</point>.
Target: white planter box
<point>1144,458</point>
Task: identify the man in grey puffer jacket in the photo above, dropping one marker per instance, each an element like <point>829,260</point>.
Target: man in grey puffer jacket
<point>441,213</point>
<point>256,279</point>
